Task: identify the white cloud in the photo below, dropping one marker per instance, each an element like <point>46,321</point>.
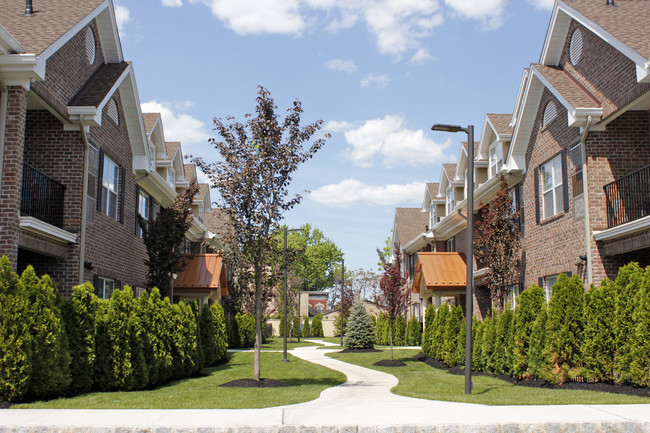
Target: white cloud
<point>352,191</point>
<point>489,12</point>
<point>381,80</point>
<point>542,4</point>
<point>122,16</point>
<point>421,55</point>
<point>347,66</point>
<point>178,126</point>
<point>398,26</point>
<point>173,3</point>
<point>336,126</point>
<point>388,140</point>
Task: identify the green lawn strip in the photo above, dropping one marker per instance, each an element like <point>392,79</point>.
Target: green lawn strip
<point>419,380</point>
<point>277,343</point>
<point>307,381</point>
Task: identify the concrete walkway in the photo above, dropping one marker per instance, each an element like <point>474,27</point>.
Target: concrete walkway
<point>363,404</point>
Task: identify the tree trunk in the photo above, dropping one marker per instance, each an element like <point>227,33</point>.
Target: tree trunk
<point>258,321</point>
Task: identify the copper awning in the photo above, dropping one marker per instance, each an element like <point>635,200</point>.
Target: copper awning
<point>203,272</point>
<point>440,272</point>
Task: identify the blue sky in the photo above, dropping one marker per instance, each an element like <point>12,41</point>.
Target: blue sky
<point>378,73</point>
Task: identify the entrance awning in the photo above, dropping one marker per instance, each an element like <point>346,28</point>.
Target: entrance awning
<point>445,273</point>
<point>204,272</point>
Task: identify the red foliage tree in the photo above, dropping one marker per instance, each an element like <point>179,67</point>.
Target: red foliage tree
<point>394,291</point>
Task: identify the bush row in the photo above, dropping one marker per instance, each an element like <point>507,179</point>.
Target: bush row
<point>124,343</point>
<point>602,335</point>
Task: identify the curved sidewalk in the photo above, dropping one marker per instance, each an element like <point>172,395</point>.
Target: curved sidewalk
<point>363,404</point>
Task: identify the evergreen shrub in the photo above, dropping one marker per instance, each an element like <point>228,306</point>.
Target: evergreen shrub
<point>399,331</point>
<point>413,332</point>
<point>639,373</point>
<point>488,343</point>
<point>359,333</point>
<point>503,342</point>
<point>317,325</point>
<point>599,344</point>
<point>245,330</point>
<point>306,329</point>
<point>429,317</point>
<point>295,328</point>
<point>453,345</point>
<point>628,284</point>
<point>536,358</point>
<point>337,325</point>
<point>529,305</point>
<point>440,327</point>
<point>213,334</point>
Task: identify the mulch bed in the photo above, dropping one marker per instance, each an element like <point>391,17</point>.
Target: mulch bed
<point>541,383</point>
<point>359,350</point>
<point>252,383</point>
<point>5,405</point>
<point>389,363</point>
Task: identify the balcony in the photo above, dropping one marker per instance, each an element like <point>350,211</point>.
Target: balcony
<point>628,198</point>
<point>42,197</point>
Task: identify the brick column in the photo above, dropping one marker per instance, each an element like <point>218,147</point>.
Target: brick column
<point>12,173</point>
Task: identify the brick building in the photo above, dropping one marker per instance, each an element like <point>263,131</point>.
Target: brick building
<point>575,153</point>
<point>78,160</point>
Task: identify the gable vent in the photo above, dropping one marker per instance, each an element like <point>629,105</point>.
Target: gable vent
<point>550,113</point>
<point>111,110</point>
<point>576,47</point>
<point>90,45</point>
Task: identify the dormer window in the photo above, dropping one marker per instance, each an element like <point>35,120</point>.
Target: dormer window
<point>171,177</point>
<point>451,201</point>
<point>496,159</point>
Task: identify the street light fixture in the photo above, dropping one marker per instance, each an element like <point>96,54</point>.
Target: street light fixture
<point>342,286</point>
<point>285,290</point>
<point>469,291</point>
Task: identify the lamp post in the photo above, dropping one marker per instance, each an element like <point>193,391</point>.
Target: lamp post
<point>285,291</point>
<point>342,286</point>
<point>469,291</point>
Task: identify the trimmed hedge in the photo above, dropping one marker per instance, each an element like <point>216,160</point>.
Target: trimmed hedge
<point>51,347</point>
<point>529,305</point>
<point>306,329</point>
<point>413,332</point>
<point>317,326</point>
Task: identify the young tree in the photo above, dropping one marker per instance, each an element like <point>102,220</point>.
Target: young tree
<point>163,237</point>
<point>360,333</point>
<point>497,244</point>
<point>394,292</point>
<point>258,159</point>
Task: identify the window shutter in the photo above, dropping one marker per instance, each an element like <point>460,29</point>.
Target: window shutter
<point>540,282</point>
<point>565,181</point>
<point>136,228</point>
<point>98,292</point>
<point>118,284</point>
<point>100,179</point>
<point>121,193</point>
<point>537,197</point>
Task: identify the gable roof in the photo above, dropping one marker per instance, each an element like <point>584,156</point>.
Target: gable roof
<point>410,222</point>
<point>100,85</point>
<point>172,147</point>
<point>150,120</point>
<point>450,170</point>
<point>500,123</point>
<point>567,90</point>
<point>433,189</point>
<point>190,172</point>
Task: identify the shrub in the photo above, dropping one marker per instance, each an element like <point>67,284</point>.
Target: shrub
<point>360,333</point>
<point>502,354</point>
<point>639,372</point>
<point>440,326</point>
<point>477,343</point>
<point>295,328</point>
<point>529,305</point>
<point>488,343</point>
<point>453,347</point>
<point>627,283</point>
<point>245,329</point>
<point>536,359</point>
<point>429,317</point>
<point>599,345</point>
<point>15,339</point>
<point>306,329</point>
<point>317,325</point>
<point>50,356</point>
<point>80,323</point>
<point>337,325</point>
<point>281,326</point>
<point>213,334</point>
<point>399,331</point>
<point>564,328</point>
<point>382,330</point>
<point>413,332</point>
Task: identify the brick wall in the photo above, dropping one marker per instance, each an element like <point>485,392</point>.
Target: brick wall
<point>12,173</point>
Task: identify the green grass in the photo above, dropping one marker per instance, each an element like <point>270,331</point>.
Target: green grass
<point>419,380</point>
<point>307,381</point>
<point>277,343</point>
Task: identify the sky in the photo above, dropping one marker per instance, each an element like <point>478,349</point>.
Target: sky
<point>378,73</point>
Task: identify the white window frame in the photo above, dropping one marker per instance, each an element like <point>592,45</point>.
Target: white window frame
<point>451,200</point>
<point>451,245</point>
<point>496,159</point>
<point>110,188</point>
<point>511,299</point>
<point>106,287</point>
<point>171,177</point>
<point>549,280</point>
<point>552,187</point>
<point>144,204</point>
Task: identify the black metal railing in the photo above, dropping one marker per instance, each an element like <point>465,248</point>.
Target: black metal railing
<point>628,198</point>
<point>42,197</point>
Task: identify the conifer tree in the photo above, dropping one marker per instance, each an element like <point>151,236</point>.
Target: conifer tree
<point>429,317</point>
<point>306,329</point>
<point>438,337</point>
<point>453,347</point>
<point>536,358</point>
<point>529,305</point>
<point>359,333</point>
<point>413,332</point>
<point>599,345</point>
<point>628,283</point>
<point>317,325</point>
<point>640,365</point>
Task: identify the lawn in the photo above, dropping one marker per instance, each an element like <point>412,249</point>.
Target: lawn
<point>307,381</point>
<point>419,380</point>
<point>277,343</point>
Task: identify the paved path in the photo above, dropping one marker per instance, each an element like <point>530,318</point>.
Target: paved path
<point>363,404</point>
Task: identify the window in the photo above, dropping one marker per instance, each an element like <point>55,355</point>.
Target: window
<point>549,281</point>
<point>451,201</point>
<point>550,113</point>
<point>511,299</point>
<point>171,177</point>
<point>106,287</point>
<point>433,217</point>
<point>575,49</point>
<point>451,245</point>
<point>90,46</point>
<point>496,159</point>
<point>575,156</point>
<point>552,187</point>
<point>110,188</point>
<point>144,209</point>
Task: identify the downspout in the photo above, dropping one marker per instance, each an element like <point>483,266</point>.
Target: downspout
<point>84,203</point>
<point>4,98</point>
<point>585,188</point>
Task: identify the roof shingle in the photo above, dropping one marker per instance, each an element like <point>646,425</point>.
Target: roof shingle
<point>150,120</point>
<point>98,85</point>
<point>410,222</point>
<point>501,123</point>
<point>575,95</point>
